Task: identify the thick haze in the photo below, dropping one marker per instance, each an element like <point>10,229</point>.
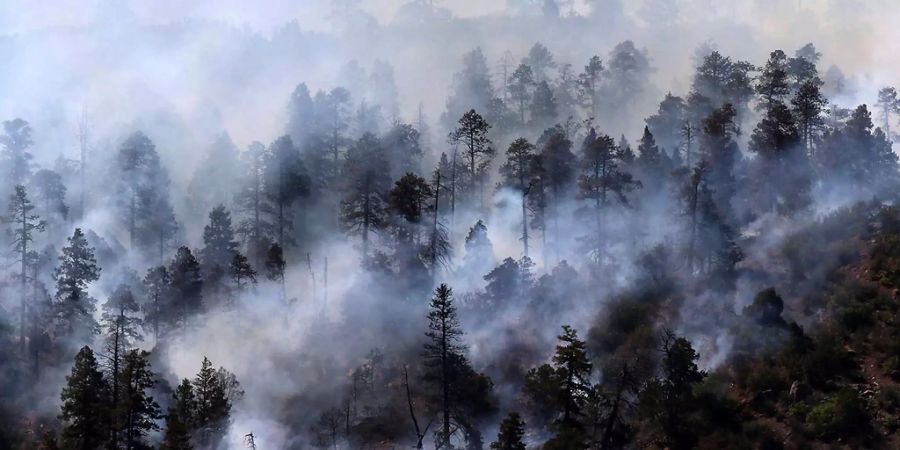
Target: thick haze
<point>184,72</point>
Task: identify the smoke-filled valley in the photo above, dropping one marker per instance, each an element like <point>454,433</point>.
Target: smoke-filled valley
<point>379,224</point>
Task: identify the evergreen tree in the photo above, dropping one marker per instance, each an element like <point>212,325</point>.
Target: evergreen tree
<point>301,114</point>
<point>285,182</point>
<point>241,271</point>
<point>520,86</point>
<point>776,141</point>
<point>479,256</point>
<point>540,60</point>
<point>333,114</point>
<point>143,186</point>
<point>543,106</point>
<point>602,181</point>
<point>409,199</point>
<point>517,173</point>
<point>84,405</point>
<point>472,133</point>
<point>509,283</point>
<point>511,435</point>
<point>50,194</point>
<point>626,77</point>
<point>590,82</point>
<point>723,81</point>
<point>15,159</point>
<point>472,88</point>
<point>121,326</point>
<point>157,285</point>
<point>574,370</point>
<point>651,161</point>
<point>214,391</point>
<point>23,225</point>
<point>363,209</point>
<point>136,413</point>
<point>773,84</point>
<point>213,181</point>
<point>666,125</point>
<point>555,173</point>
<point>667,402</point>
<point>186,282</point>
<point>802,68</point>
<point>889,104</point>
<point>77,269</point>
<point>256,207</point>
<point>219,243</point>
<point>180,420</point>
<point>443,351</point>
<point>403,149</point>
<point>718,148</point>
<point>808,105</point>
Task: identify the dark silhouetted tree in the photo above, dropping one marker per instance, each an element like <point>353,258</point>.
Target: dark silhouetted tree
<point>23,225</point>
<point>365,202</point>
<point>85,411</point>
<point>77,269</point>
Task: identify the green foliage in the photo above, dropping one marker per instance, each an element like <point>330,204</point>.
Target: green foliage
<point>511,435</point>
<point>839,415</point>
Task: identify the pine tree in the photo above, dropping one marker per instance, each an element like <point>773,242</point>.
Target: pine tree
<point>772,84</point>
<point>589,82</point>
<point>286,181</point>
<point>218,239</point>
<point>889,104</point>
<point>808,105</point>
<point>186,282</point>
<point>511,435</point>
<point>668,401</point>
<point>520,86</point>
<point>241,271</point>
<point>301,114</point>
<point>136,413</point>
<point>719,149</point>
<point>157,285</point>
<point>543,106</point>
<point>403,149</point>
<point>472,88</point>
<point>720,81</point>
<point>255,206</point>
<point>77,269</point>
<point>213,181</point>
<point>144,198</point>
<point>214,391</point>
<point>84,404</point>
<point>574,370</point>
<point>517,174</point>
<point>557,167</point>
<point>363,209</point>
<point>23,225</point>
<point>15,159</point>
<point>121,325</point>
<point>180,420</point>
<point>442,352</point>
<point>50,194</point>
<point>540,59</point>
<point>410,200</point>
<point>651,163</point>
<point>472,133</point>
<point>666,125</point>
<point>602,181</point>
<point>332,121</point>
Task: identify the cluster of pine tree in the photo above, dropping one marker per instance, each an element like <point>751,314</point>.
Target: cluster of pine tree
<point>694,187</point>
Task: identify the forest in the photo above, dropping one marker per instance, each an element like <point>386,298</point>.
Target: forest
<point>626,230</point>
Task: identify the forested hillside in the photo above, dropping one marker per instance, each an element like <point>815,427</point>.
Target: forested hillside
<point>527,258</point>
